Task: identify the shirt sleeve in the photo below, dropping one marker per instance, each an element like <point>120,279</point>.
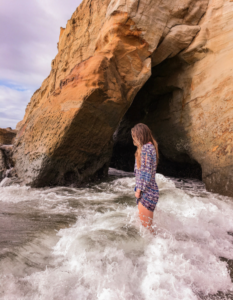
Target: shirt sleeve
<point>145,172</point>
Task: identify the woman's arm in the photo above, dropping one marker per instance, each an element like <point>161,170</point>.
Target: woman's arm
<point>138,194</point>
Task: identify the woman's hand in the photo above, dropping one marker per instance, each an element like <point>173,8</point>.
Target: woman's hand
<point>138,194</point>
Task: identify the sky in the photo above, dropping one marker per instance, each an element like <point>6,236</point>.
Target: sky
<point>29,31</point>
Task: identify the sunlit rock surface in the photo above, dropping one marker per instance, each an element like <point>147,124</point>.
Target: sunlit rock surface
<point>194,116</point>
<point>188,101</point>
<point>106,54</point>
<point>207,101</point>
<point>66,136</point>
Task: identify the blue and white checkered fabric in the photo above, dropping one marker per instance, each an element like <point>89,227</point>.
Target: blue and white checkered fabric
<point>145,177</point>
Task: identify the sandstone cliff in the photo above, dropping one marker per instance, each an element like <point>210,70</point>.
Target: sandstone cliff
<point>188,101</point>
<point>107,52</point>
<point>203,104</point>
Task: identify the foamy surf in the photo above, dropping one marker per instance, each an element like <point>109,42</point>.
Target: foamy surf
<point>68,243</point>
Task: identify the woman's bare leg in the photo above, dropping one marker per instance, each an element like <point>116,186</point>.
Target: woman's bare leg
<point>146,216</point>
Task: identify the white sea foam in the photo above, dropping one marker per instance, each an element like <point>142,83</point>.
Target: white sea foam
<point>106,254</point>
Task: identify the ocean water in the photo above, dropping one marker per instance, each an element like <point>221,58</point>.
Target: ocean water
<point>88,243</point>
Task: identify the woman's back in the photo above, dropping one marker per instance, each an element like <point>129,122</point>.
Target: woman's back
<point>146,159</point>
<point>145,175</point>
<point>150,161</point>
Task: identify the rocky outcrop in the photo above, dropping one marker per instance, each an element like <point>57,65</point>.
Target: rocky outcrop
<point>207,99</point>
<point>103,61</point>
<point>175,57</point>
<point>178,38</point>
<point>199,109</point>
<point>67,137</point>
<point>2,165</point>
<point>7,136</point>
<point>188,101</point>
<point>7,171</point>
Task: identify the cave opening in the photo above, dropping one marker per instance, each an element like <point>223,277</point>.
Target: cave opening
<point>159,104</point>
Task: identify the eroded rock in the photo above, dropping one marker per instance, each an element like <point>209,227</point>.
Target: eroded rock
<point>7,169</point>
<point>179,38</point>
<point>2,165</point>
<point>105,57</point>
<point>68,137</point>
<point>188,101</point>
<point>7,136</point>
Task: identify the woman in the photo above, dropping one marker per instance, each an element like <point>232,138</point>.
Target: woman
<point>146,160</point>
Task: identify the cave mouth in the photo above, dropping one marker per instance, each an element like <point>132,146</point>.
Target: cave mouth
<point>176,169</point>
<point>152,106</point>
<point>123,159</point>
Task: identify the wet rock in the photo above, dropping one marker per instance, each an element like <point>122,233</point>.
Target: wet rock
<point>6,182</point>
<point>7,137</point>
<point>2,164</point>
<point>7,154</point>
<point>7,169</point>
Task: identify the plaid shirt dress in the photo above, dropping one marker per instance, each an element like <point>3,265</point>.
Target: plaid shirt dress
<point>145,177</point>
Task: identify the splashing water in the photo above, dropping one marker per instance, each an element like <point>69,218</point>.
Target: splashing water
<point>88,243</point>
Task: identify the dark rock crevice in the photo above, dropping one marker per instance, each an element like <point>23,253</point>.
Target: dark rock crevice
<point>7,164</point>
<point>155,105</point>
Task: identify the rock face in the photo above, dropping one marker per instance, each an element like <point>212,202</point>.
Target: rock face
<point>2,165</point>
<point>7,136</point>
<point>101,65</point>
<point>66,135</point>
<point>203,105</point>
<point>107,53</point>
<point>188,101</point>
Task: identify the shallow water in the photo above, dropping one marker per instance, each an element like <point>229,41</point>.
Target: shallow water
<point>88,243</point>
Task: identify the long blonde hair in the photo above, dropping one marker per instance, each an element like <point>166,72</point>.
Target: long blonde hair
<point>142,135</point>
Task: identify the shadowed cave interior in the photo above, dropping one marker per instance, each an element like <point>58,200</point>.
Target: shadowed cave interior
<point>152,107</point>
